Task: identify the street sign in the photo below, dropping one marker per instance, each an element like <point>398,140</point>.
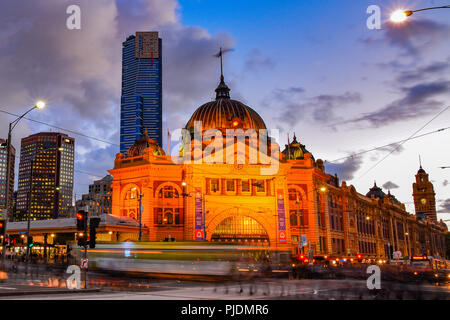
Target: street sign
<point>397,254</point>
<point>84,263</point>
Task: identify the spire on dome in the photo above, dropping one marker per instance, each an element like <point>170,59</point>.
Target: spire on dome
<point>222,90</point>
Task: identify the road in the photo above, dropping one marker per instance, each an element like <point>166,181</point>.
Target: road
<point>282,289</point>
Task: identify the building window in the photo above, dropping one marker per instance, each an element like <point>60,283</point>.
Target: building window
<point>230,185</point>
<point>177,216</point>
<point>260,186</point>
<point>168,192</point>
<point>159,217</point>
<point>168,216</point>
<point>214,185</point>
<point>293,219</point>
<point>245,186</point>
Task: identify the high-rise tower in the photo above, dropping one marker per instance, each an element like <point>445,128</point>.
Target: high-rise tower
<point>141,100</point>
<point>424,196</point>
<point>45,176</point>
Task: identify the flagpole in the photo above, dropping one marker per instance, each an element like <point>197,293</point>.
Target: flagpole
<point>168,142</point>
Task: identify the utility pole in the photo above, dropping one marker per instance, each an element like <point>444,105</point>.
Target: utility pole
<point>140,216</point>
<point>8,181</point>
<point>204,218</point>
<point>29,215</point>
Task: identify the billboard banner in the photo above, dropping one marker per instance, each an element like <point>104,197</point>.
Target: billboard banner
<point>199,235</point>
<point>281,217</point>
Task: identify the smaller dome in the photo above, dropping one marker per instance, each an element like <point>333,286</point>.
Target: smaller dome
<point>376,192</point>
<point>295,150</point>
<point>144,143</point>
<point>421,170</point>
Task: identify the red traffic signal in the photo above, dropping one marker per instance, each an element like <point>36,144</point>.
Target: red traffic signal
<point>81,221</point>
<point>2,227</point>
<point>359,256</point>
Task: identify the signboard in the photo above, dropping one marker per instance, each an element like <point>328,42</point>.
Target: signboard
<point>397,254</point>
<point>419,258</point>
<point>199,234</point>
<point>304,240</point>
<point>84,263</point>
<point>281,217</point>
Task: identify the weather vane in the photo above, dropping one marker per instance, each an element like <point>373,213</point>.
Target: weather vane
<point>219,55</point>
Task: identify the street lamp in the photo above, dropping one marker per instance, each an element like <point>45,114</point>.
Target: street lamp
<point>39,105</point>
<point>203,199</point>
<point>400,16</point>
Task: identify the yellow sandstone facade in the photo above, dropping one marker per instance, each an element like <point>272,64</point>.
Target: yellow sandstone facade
<point>231,190</point>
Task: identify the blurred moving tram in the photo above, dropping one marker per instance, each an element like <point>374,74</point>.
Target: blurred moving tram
<point>174,258</point>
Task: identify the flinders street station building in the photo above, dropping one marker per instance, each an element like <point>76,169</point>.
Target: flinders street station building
<point>231,183</point>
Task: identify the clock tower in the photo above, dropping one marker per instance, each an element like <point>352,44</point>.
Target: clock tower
<point>423,193</point>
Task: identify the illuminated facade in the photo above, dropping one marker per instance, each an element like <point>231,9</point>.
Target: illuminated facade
<point>200,195</point>
<point>50,182</point>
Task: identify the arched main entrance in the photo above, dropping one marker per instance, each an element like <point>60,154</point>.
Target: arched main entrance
<point>240,229</point>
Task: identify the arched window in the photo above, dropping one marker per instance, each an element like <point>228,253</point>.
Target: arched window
<point>298,216</point>
<point>168,192</point>
<point>131,194</point>
<point>240,229</point>
<point>168,217</point>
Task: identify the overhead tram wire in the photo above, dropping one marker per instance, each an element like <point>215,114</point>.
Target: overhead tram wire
<point>89,173</point>
<point>63,129</point>
<point>386,145</point>
<point>399,145</point>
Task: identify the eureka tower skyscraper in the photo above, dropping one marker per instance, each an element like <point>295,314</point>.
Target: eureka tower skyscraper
<point>141,100</point>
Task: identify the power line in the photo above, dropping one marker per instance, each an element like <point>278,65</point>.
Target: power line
<point>89,173</point>
<point>63,129</point>
<point>400,144</point>
<point>387,145</point>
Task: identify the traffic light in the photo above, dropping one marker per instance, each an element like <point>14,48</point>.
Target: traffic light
<point>81,220</point>
<point>2,227</point>
<point>30,243</point>
<point>359,257</point>
<point>93,224</point>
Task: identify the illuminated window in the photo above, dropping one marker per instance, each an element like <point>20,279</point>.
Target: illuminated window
<point>241,229</point>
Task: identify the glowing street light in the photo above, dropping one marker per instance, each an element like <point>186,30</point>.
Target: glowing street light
<point>400,16</point>
<point>40,104</point>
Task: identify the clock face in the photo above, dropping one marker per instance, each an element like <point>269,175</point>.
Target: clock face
<point>424,201</point>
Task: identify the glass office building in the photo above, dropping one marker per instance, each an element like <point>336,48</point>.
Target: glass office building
<point>50,183</point>
<point>141,100</point>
